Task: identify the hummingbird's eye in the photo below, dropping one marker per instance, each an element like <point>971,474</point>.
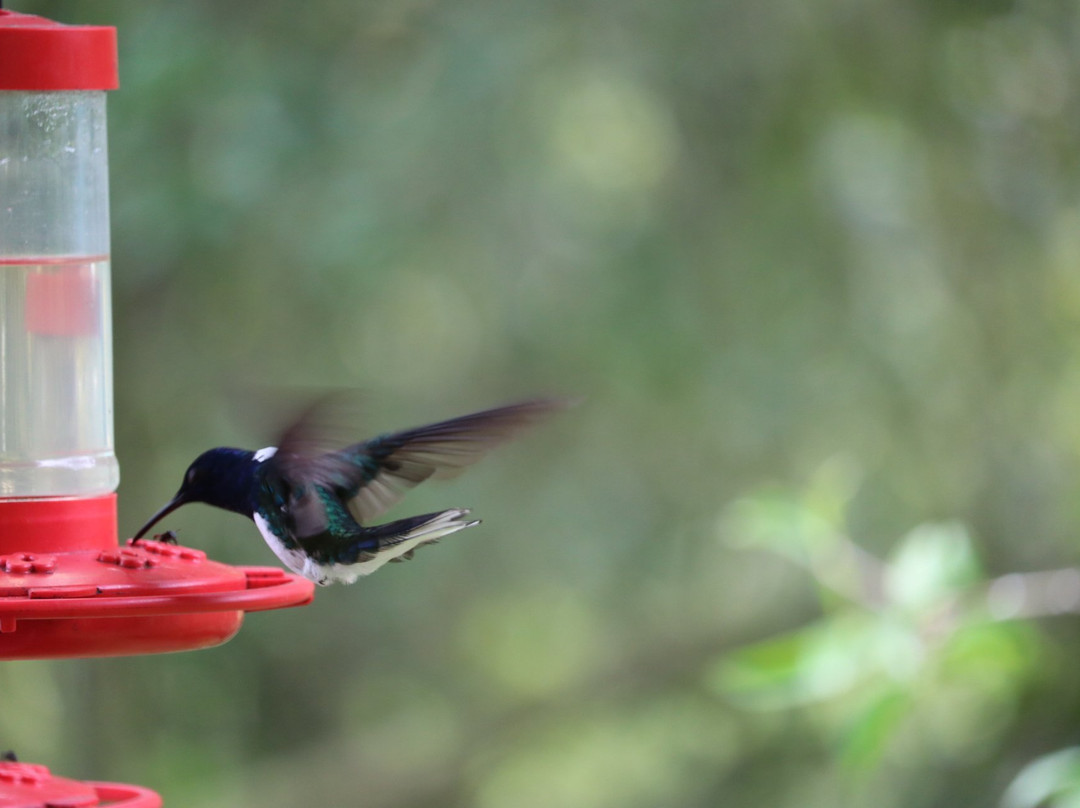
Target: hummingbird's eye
<point>191,477</point>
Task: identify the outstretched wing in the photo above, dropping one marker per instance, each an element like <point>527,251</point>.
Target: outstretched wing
<point>396,462</point>
<point>372,476</point>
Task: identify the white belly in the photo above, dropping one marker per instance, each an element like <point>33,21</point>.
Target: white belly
<point>291,558</point>
<point>302,564</point>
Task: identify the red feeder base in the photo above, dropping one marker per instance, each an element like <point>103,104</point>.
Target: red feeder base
<point>104,600</point>
<point>29,785</point>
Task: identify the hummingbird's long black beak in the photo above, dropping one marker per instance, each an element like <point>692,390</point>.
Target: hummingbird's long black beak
<point>174,503</point>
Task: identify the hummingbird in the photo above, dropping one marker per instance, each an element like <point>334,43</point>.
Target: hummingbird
<point>315,508</point>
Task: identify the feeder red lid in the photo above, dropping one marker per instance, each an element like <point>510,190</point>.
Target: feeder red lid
<point>30,785</point>
<point>39,54</point>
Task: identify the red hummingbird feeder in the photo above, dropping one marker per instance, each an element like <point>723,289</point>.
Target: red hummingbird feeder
<point>29,785</point>
<point>67,586</point>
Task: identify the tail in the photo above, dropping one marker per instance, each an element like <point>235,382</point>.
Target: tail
<point>397,541</point>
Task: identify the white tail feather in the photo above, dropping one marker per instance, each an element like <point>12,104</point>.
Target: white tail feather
<point>444,524</point>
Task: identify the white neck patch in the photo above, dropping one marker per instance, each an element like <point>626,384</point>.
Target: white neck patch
<point>265,454</point>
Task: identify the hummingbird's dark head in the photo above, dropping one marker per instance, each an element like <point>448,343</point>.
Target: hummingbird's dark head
<point>221,477</point>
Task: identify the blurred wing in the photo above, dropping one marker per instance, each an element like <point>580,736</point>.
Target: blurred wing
<point>378,473</point>
<point>320,426</point>
<point>284,496</point>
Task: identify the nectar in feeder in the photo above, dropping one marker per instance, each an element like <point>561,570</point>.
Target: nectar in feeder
<point>56,436</point>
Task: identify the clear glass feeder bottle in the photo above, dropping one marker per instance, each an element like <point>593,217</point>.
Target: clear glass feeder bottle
<point>56,419</point>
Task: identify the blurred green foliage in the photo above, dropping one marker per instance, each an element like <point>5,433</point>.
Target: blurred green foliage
<point>816,268</point>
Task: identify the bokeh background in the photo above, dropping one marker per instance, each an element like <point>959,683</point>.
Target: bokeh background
<point>815,268</point>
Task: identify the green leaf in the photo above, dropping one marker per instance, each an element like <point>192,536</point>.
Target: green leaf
<point>776,520</point>
<point>765,674</point>
<point>813,664</point>
<point>932,565</point>
<point>1009,651</point>
<point>1056,775</point>
<point>874,726</point>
